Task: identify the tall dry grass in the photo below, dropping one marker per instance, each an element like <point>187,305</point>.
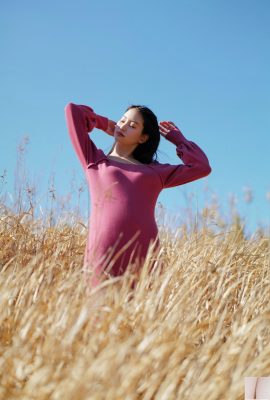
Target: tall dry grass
<point>191,330</point>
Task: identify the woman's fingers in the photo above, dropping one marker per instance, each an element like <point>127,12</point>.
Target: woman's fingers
<point>163,128</point>
<point>163,131</point>
<point>168,125</point>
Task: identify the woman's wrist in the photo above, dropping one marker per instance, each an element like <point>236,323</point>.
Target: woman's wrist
<point>101,122</point>
<point>110,127</point>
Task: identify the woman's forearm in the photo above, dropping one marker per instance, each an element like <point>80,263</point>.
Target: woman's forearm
<point>109,129</point>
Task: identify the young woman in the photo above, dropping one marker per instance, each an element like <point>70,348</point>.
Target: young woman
<point>125,183</point>
<point>257,388</point>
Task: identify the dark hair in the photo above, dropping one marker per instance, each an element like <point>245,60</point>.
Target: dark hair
<point>146,152</point>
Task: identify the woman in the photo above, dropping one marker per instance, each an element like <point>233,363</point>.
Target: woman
<point>125,183</point>
<point>257,388</point>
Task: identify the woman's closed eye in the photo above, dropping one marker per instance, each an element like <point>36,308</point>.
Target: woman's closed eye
<point>132,126</point>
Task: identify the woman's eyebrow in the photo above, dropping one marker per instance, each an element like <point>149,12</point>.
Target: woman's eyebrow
<point>131,121</point>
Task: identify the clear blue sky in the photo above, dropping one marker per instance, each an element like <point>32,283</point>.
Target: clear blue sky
<point>202,64</point>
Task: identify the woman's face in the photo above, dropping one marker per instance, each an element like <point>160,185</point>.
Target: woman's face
<point>129,128</point>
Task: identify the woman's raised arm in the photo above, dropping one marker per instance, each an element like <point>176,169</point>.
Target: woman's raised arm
<point>80,120</point>
<point>196,164</point>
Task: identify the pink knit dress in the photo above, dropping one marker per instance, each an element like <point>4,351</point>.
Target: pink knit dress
<point>123,196</point>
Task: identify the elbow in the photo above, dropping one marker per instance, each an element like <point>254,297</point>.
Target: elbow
<point>70,110</point>
<point>205,170</point>
<point>70,113</point>
<point>208,169</point>
<point>69,106</point>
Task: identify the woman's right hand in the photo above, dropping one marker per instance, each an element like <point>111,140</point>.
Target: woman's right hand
<point>110,129</point>
<point>166,126</point>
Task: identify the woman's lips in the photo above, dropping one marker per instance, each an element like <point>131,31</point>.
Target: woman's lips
<point>120,133</point>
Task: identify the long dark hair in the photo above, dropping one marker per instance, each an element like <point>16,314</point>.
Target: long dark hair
<point>146,152</point>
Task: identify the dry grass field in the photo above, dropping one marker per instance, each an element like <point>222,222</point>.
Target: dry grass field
<point>191,330</point>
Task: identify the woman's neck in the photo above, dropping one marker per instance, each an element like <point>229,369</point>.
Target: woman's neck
<point>123,151</point>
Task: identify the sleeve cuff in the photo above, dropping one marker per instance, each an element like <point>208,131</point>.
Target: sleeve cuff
<point>101,122</point>
<point>176,137</point>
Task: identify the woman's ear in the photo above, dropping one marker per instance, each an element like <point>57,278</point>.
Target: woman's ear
<point>144,138</point>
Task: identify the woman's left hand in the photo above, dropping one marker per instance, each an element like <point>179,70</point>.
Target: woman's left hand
<point>166,126</point>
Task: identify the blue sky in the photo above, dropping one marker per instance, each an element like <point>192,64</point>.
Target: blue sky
<point>202,64</point>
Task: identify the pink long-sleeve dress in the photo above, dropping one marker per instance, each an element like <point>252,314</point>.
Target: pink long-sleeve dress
<point>123,196</point>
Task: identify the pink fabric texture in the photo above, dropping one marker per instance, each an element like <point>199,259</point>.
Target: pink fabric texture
<point>123,196</point>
